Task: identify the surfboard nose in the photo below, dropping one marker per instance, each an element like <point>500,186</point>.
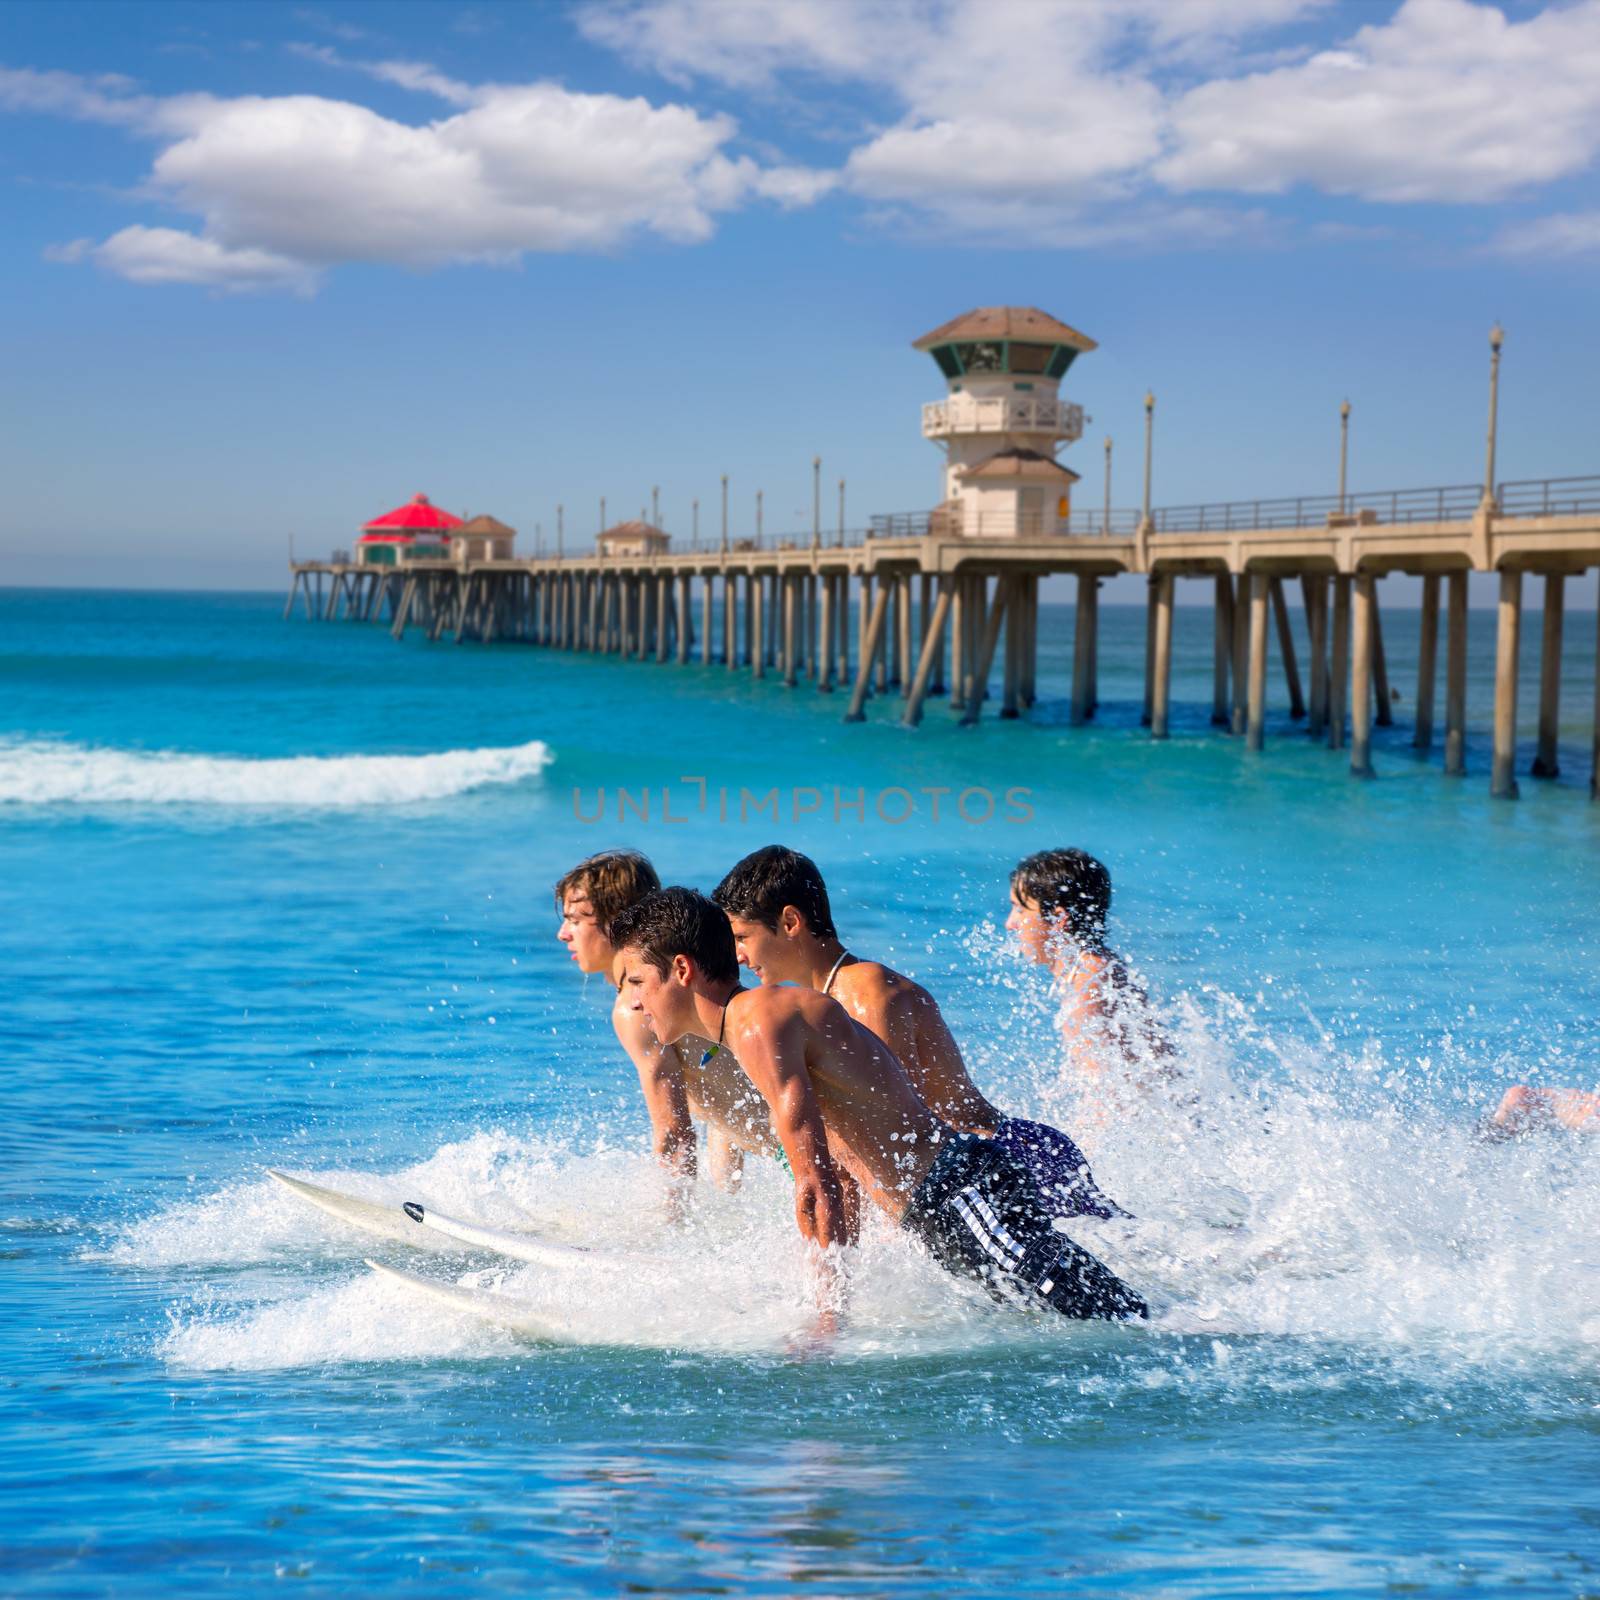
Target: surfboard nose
<point>412,1210</point>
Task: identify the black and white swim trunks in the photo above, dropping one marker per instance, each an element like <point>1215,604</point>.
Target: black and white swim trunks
<point>1058,1169</point>
<point>980,1216</point>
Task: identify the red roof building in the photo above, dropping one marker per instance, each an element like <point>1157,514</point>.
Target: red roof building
<point>418,530</point>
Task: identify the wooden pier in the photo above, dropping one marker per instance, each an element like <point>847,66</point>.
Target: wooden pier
<point>937,608</point>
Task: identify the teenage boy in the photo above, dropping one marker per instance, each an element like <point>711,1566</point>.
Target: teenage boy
<point>677,1086</point>
<point>1060,902</point>
<point>839,1101</point>
<point>784,932</point>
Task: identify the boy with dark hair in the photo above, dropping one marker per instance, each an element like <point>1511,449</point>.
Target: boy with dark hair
<point>840,1102</point>
<point>1060,903</point>
<point>783,930</point>
<point>676,1087</point>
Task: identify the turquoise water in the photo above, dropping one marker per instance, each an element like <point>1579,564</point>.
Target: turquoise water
<point>1373,1364</point>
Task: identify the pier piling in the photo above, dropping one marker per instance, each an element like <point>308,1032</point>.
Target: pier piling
<point>1339,671</point>
<point>1594,754</point>
<point>1221,650</point>
<point>1427,663</point>
<point>1380,664</point>
<point>1362,652</point>
<point>1502,772</point>
<point>1083,647</point>
<point>1256,697</point>
<point>1291,665</point>
<point>1161,665</point>
<point>1241,653</point>
<point>869,651</point>
<point>1545,763</point>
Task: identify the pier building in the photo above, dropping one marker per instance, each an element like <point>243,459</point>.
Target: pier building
<point>941,602</point>
<point>482,539</point>
<point>416,531</point>
<point>632,541</point>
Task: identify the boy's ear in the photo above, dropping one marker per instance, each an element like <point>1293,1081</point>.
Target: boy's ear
<point>790,921</point>
<point>682,969</point>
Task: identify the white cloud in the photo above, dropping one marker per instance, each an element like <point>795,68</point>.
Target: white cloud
<point>1448,101</point>
<point>1573,234</point>
<point>1084,106</point>
<point>415,75</point>
<point>287,186</point>
<point>65,94</point>
<point>168,255</point>
<point>990,103</point>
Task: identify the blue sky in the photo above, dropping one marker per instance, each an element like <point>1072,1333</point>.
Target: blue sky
<point>272,269</point>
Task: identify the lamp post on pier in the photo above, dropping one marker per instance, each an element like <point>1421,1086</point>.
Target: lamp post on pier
<point>759,519</point>
<point>695,525</point>
<point>1497,337</point>
<point>655,507</point>
<point>724,513</point>
<point>1344,451</point>
<point>841,513</point>
<point>1106,527</point>
<point>816,503</point>
<point>560,531</point>
<point>1149,440</point>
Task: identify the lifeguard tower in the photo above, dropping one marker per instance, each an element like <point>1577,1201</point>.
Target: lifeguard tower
<point>1003,421</point>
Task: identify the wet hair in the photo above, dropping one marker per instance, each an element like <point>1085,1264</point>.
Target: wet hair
<point>767,880</point>
<point>1071,883</point>
<point>611,881</point>
<point>678,921</point>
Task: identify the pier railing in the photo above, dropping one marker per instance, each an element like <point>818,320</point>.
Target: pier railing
<point>1549,497</point>
<point>1439,503</point>
<point>948,522</point>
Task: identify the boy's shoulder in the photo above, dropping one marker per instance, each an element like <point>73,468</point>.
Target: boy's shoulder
<point>865,978</point>
<point>773,1003</point>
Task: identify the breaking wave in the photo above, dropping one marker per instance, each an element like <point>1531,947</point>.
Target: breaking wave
<point>39,772</point>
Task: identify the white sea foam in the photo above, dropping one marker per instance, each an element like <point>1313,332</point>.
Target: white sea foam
<point>1278,1212</point>
<point>41,772</point>
<point>730,1278</point>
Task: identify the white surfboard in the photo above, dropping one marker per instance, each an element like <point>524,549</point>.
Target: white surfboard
<point>519,1246</point>
<point>519,1316</point>
<point>371,1216</point>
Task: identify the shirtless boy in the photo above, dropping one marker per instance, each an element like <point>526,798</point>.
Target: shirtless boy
<point>840,1103</point>
<point>677,1084</point>
<point>784,932</point>
<point>1060,900</point>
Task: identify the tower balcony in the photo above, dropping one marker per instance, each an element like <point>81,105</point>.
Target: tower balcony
<point>1011,413</point>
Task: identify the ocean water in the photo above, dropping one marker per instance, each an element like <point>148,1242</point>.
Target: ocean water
<point>278,895</point>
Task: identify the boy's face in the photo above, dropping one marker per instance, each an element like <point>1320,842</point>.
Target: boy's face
<point>1038,935</point>
<point>664,999</point>
<point>768,952</point>
<point>581,933</point>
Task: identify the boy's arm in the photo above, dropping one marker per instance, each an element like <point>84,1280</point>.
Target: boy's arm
<point>665,1094</point>
<point>772,1054</point>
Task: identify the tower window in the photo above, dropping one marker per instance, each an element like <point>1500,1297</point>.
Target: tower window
<point>1030,357</point>
<point>982,357</point>
<point>948,365</point>
<point>1063,358</point>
